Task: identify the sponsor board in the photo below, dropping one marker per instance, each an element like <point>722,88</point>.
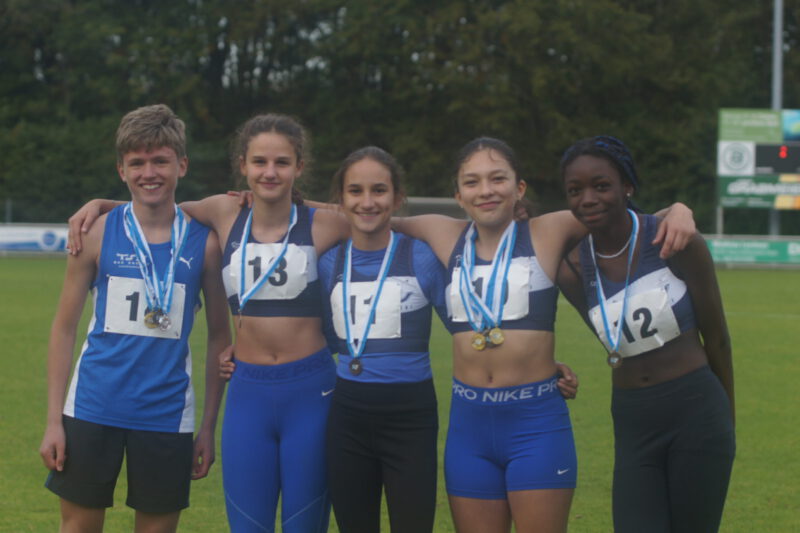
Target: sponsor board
<point>33,237</point>
<point>750,250</point>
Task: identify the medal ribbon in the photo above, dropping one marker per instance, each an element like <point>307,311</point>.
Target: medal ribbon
<point>480,315</point>
<point>157,293</point>
<point>601,299</point>
<point>244,296</point>
<point>388,255</point>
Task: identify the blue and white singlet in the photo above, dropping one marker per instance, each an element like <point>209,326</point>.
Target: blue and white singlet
<point>129,375</point>
<point>531,294</point>
<point>292,289</point>
<point>659,305</point>
<point>397,350</point>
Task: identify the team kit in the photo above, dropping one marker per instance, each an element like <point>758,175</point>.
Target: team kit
<point>319,324</point>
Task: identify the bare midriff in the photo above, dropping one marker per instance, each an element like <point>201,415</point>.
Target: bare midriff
<point>673,360</point>
<point>276,340</point>
<point>526,356</point>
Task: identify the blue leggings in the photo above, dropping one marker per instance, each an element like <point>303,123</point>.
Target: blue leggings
<point>273,443</point>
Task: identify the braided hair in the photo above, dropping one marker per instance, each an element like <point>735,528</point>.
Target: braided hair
<point>609,148</point>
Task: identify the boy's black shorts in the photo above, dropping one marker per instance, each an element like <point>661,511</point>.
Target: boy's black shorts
<point>159,467</point>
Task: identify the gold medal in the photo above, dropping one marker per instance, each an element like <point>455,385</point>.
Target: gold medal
<point>496,336</point>
<point>151,318</point>
<point>614,360</point>
<point>478,341</point>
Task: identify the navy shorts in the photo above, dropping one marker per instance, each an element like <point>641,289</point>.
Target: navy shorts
<point>159,467</point>
<point>509,439</point>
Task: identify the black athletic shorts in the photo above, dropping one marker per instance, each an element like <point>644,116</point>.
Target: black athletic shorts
<point>159,467</point>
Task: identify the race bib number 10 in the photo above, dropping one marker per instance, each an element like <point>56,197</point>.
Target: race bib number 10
<point>516,289</point>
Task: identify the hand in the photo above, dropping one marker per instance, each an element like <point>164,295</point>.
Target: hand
<point>203,456</point>
<point>226,364</point>
<point>53,448</point>
<point>245,197</point>
<point>80,222</point>
<point>567,381</point>
<point>675,230</point>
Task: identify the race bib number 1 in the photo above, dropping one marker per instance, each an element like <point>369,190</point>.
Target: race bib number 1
<point>126,304</point>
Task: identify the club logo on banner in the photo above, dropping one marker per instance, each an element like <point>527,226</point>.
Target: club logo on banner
<point>736,158</point>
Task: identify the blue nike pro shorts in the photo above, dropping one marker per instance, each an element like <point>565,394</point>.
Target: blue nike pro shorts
<point>508,439</point>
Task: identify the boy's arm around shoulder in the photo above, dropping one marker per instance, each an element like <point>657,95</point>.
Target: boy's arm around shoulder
<point>219,337</point>
<point>80,273</point>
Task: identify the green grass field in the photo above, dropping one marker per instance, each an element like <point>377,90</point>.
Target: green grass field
<point>763,309</point>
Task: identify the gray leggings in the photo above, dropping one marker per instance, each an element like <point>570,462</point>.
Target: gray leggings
<point>674,446</point>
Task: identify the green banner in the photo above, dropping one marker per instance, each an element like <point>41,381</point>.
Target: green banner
<point>757,125</point>
<point>744,250</point>
<point>763,192</point>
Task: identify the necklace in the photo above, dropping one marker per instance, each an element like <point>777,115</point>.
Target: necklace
<point>619,253</point>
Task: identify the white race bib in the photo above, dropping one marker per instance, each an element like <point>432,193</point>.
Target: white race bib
<point>126,304</point>
<point>287,281</point>
<point>387,321</point>
<point>517,290</point>
<point>649,323</point>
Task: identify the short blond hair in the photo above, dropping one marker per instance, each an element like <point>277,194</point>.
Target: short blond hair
<point>151,127</point>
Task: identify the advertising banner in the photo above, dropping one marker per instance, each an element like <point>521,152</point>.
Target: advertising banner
<point>33,238</point>
<point>765,192</point>
<point>754,251</point>
<point>757,125</point>
<point>758,158</point>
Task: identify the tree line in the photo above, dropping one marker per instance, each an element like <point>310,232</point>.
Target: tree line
<point>416,77</point>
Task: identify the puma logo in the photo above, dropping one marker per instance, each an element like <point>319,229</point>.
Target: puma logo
<point>188,262</point>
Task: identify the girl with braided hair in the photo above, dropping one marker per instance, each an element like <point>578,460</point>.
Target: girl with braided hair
<point>664,328</point>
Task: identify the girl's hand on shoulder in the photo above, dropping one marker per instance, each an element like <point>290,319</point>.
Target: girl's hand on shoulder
<point>675,230</point>
<point>245,198</point>
<point>82,221</point>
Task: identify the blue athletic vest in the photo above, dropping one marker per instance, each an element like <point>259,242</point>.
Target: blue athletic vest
<point>531,296</point>
<point>659,305</point>
<point>128,375</point>
<point>292,289</point>
<point>397,349</point>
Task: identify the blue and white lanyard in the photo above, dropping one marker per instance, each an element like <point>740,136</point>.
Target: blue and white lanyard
<point>157,293</point>
<point>245,295</point>
<point>601,299</point>
<point>357,344</point>
<point>481,315</point>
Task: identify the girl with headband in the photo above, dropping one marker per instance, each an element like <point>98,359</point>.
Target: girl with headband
<point>663,326</point>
